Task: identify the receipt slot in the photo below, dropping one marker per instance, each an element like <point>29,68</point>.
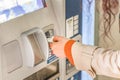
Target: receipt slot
<point>35,47</point>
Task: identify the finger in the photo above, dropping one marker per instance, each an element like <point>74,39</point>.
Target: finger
<point>57,38</point>
<point>52,44</point>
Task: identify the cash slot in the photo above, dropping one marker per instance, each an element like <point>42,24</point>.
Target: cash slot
<point>49,72</point>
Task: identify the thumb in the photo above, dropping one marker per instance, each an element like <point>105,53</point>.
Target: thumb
<point>52,44</point>
<point>57,38</point>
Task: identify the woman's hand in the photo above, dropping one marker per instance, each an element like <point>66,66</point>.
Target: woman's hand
<point>57,46</point>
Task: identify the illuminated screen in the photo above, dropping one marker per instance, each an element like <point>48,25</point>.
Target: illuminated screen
<point>10,9</point>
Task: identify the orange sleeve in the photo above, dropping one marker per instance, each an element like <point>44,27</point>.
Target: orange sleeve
<point>67,50</point>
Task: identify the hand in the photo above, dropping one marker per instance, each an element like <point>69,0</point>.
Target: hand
<point>57,46</point>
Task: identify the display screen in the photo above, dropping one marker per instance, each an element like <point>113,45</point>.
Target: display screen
<point>10,9</point>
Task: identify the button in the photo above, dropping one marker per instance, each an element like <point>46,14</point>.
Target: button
<point>76,31</point>
<point>51,31</point>
<point>76,17</point>
<point>75,22</point>
<point>47,34</point>
<point>75,27</point>
<point>69,27</point>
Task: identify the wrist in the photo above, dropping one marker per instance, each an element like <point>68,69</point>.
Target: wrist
<point>67,50</point>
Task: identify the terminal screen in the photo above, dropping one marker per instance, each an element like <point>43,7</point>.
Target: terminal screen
<point>10,9</point>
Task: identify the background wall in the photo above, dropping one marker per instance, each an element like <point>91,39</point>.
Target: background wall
<point>88,20</point>
<point>115,44</point>
<point>114,32</point>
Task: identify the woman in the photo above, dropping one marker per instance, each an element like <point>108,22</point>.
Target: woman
<point>93,59</point>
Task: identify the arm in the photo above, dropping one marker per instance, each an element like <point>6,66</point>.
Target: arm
<point>93,59</point>
<point>96,60</point>
<point>81,56</point>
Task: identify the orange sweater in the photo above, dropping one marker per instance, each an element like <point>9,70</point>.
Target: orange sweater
<point>67,50</point>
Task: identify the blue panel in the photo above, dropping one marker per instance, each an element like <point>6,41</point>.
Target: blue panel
<point>74,7</point>
<point>77,76</point>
